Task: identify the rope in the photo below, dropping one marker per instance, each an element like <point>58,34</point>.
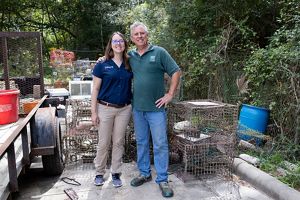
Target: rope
<point>70,181</point>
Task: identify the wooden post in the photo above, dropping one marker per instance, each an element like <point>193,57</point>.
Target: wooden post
<point>26,159</point>
<point>12,169</point>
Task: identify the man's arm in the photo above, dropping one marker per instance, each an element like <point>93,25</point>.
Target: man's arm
<point>172,90</point>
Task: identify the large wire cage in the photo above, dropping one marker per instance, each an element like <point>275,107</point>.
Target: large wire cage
<point>202,136</point>
<point>81,138</point>
<point>21,65</point>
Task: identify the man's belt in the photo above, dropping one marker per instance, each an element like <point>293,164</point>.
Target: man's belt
<point>112,104</point>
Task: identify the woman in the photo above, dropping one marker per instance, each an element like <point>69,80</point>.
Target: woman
<point>111,106</point>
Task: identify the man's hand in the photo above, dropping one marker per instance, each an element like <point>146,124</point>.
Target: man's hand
<point>101,59</point>
<point>164,100</point>
<point>169,96</point>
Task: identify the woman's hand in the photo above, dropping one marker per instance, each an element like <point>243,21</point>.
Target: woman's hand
<point>95,119</point>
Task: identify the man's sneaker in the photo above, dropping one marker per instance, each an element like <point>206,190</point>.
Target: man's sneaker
<point>140,180</point>
<point>116,181</point>
<point>166,190</point>
<point>99,180</point>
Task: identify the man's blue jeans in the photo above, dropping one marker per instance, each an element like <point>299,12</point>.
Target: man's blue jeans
<point>156,124</point>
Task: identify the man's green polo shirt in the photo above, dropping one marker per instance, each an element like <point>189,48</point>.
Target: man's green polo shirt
<point>148,76</point>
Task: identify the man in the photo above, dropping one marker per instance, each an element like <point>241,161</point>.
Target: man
<point>149,64</point>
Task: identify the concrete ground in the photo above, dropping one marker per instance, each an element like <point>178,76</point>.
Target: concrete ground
<point>35,185</point>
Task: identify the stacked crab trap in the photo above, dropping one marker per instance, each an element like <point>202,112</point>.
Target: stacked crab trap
<point>202,138</point>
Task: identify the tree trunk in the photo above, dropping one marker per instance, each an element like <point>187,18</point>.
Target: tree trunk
<point>297,134</point>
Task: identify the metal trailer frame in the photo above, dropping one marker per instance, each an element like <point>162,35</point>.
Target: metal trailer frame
<point>33,125</point>
<point>40,129</point>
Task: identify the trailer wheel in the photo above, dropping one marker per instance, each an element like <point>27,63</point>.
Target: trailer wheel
<point>53,164</point>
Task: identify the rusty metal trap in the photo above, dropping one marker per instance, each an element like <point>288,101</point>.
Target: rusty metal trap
<point>130,144</point>
<point>81,138</point>
<point>202,138</point>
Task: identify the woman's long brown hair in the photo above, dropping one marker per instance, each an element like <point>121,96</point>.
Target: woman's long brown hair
<point>109,53</point>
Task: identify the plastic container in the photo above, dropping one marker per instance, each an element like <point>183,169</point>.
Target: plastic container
<point>28,106</point>
<point>253,122</point>
<point>9,106</point>
<point>60,93</point>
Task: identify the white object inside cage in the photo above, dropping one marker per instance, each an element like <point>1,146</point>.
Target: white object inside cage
<point>80,89</point>
<point>203,103</point>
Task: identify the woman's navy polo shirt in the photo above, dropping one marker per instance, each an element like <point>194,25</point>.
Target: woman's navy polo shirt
<point>116,82</point>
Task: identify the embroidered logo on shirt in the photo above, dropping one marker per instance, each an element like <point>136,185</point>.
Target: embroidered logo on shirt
<point>108,67</point>
<point>152,58</point>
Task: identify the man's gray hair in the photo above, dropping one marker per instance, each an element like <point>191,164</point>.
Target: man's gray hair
<point>136,24</point>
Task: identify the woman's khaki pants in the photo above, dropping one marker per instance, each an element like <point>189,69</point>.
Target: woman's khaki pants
<point>112,128</point>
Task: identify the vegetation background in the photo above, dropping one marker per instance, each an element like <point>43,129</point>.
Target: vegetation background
<point>235,51</point>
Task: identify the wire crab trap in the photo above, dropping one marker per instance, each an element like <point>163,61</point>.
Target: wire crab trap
<point>81,138</point>
<point>81,146</point>
<point>130,144</point>
<point>202,135</point>
<point>78,114</point>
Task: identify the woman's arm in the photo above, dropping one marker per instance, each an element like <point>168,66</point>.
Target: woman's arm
<point>94,108</point>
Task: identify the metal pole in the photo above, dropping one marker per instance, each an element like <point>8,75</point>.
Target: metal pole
<point>5,62</point>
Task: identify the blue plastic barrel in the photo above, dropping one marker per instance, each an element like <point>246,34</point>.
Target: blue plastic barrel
<point>253,122</point>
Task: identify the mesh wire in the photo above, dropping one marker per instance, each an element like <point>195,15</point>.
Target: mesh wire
<point>20,55</point>
<point>81,138</point>
<point>202,138</point>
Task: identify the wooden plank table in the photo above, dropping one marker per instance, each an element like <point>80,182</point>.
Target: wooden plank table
<point>9,133</point>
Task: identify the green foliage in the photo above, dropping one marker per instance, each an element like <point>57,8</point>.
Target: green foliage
<point>81,26</point>
<point>274,74</point>
<point>153,16</point>
<point>47,71</point>
<point>270,164</point>
<point>211,40</point>
<point>214,42</point>
<point>292,179</point>
<point>280,158</point>
<point>209,50</point>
